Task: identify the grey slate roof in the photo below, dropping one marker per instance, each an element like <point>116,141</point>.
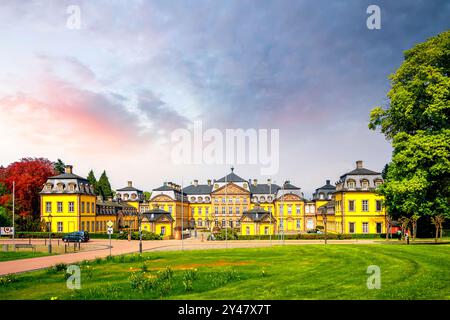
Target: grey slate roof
<point>289,186</point>
<point>264,188</point>
<point>129,189</point>
<point>257,214</point>
<point>156,214</point>
<point>63,176</point>
<point>232,177</point>
<point>199,189</point>
<point>360,171</point>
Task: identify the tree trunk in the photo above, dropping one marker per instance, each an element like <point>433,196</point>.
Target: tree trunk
<point>437,234</point>
<point>441,232</point>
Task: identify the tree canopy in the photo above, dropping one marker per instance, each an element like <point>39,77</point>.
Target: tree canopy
<point>417,122</point>
<point>104,187</point>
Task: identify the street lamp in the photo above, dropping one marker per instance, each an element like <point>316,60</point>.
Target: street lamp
<point>324,218</point>
<point>50,233</point>
<point>140,231</point>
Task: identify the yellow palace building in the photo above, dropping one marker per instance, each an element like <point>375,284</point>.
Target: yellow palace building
<point>69,203</point>
<point>355,206</point>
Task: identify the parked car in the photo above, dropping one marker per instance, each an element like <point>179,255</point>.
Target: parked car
<point>78,236</point>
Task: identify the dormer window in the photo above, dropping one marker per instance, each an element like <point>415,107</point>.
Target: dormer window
<point>48,187</point>
<point>60,187</point>
<point>192,199</point>
<point>321,196</point>
<point>200,199</point>
<point>329,196</point>
<point>262,199</point>
<point>126,196</point>
<point>351,184</point>
<point>71,187</point>
<point>133,196</point>
<point>378,183</point>
<point>365,184</point>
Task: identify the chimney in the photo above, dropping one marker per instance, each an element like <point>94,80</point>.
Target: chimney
<point>130,183</point>
<point>328,181</point>
<point>359,164</point>
<point>195,182</point>
<point>68,169</point>
<point>255,182</point>
<point>209,182</point>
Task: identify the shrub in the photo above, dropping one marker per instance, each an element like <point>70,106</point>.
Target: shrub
<point>188,279</point>
<point>8,279</point>
<point>229,234</point>
<point>140,281</point>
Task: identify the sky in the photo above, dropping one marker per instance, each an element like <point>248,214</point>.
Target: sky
<point>109,94</point>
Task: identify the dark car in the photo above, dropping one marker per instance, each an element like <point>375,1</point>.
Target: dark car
<point>78,236</point>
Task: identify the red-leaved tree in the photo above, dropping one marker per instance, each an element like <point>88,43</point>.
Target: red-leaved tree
<point>29,175</point>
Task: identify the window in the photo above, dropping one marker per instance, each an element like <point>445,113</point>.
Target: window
<point>82,207</point>
<point>223,223</point>
<point>200,210</point>
<point>223,210</point>
<point>329,195</point>
<point>281,208</point>
<point>378,183</point>
<point>237,210</point>
<point>247,230</point>
<point>298,209</point>
<point>379,227</point>
<point>351,227</point>
<point>223,200</point>
<point>60,227</point>
<point>88,207</point>
<point>281,224</point>
<point>307,209</point>
<point>170,209</point>
<point>365,184</point>
<point>163,231</point>
<point>351,184</point>
<point>216,223</point>
<point>365,205</point>
<point>48,207</point>
<point>82,225</point>
<point>298,223</point>
<point>206,210</point>
<point>199,222</point>
<point>289,210</point>
<point>230,211</point>
<point>365,227</point>
<point>321,196</point>
<point>87,225</point>
<point>192,211</point>
<point>231,223</point>
<point>266,230</point>
<point>216,210</point>
<point>351,205</point>
<point>93,207</point>
<point>379,205</point>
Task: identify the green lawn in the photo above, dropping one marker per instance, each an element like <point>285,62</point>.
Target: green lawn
<point>288,272</point>
<point>11,255</point>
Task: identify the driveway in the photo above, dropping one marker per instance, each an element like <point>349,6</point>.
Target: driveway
<point>99,248</point>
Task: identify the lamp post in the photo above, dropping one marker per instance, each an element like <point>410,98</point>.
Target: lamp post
<point>140,231</point>
<point>324,218</point>
<point>50,233</point>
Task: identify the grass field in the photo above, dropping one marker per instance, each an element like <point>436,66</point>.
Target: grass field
<point>289,272</point>
<point>11,255</point>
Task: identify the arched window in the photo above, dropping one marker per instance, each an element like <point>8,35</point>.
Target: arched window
<point>207,199</point>
<point>329,196</point>
<point>200,199</point>
<point>192,199</point>
<point>262,199</point>
<point>60,187</point>
<point>378,182</point>
<point>321,196</point>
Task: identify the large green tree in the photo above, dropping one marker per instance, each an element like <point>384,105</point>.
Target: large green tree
<point>59,166</point>
<point>417,122</point>
<point>92,180</point>
<point>104,187</point>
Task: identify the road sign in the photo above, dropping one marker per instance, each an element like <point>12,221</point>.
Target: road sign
<point>110,224</point>
<point>6,231</point>
<point>110,230</point>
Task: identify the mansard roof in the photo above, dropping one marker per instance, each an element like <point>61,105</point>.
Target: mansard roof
<point>231,177</point>
<point>264,188</point>
<point>198,189</point>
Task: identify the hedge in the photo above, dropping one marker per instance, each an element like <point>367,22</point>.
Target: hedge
<point>314,236</point>
<point>55,235</point>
